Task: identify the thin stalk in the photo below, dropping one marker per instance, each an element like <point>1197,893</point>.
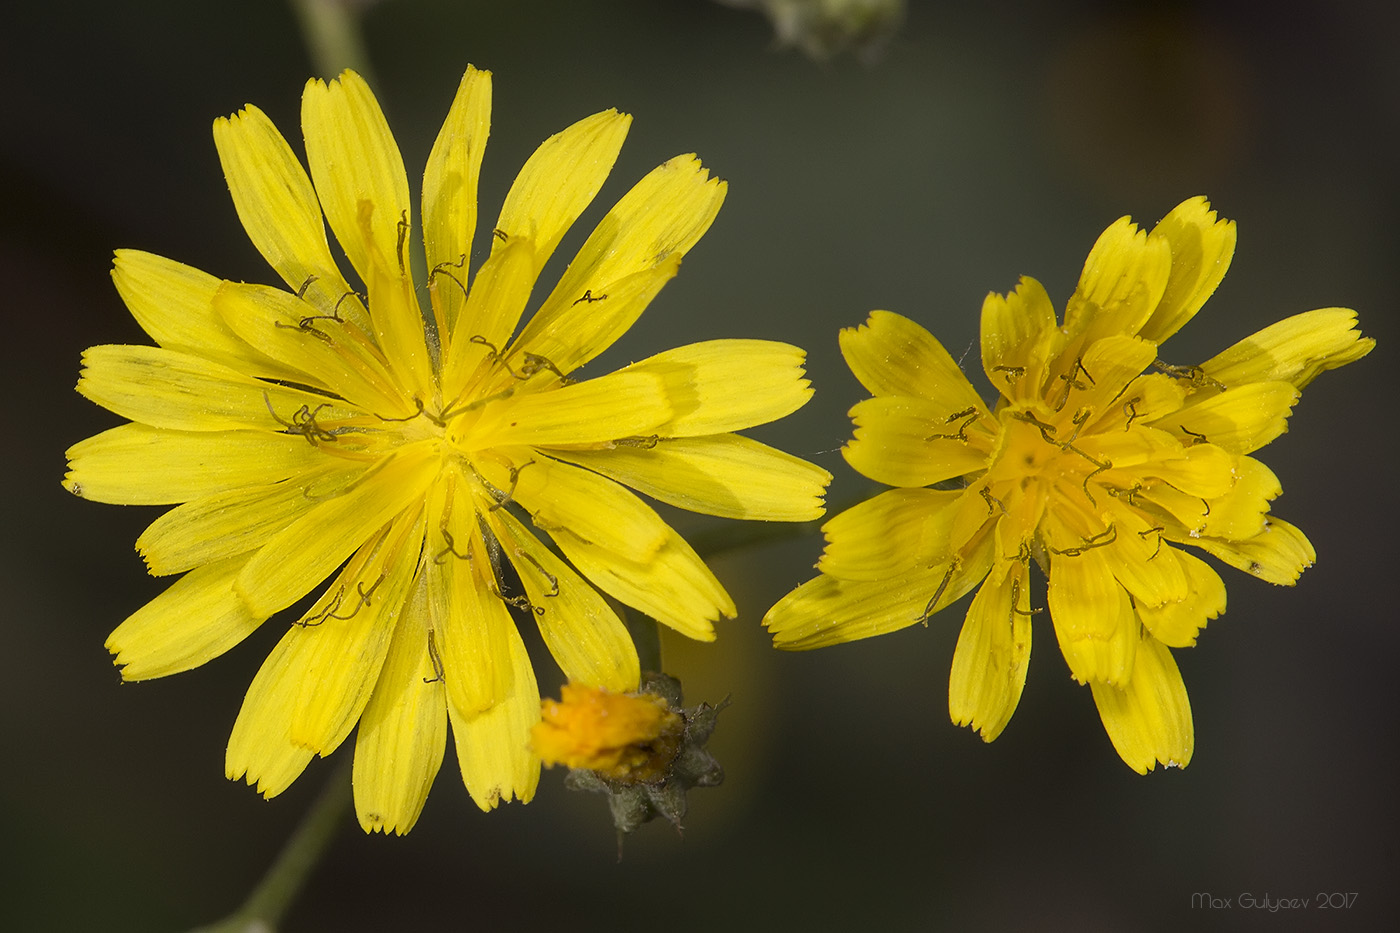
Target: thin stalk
<point>285,878</point>
<point>331,29</point>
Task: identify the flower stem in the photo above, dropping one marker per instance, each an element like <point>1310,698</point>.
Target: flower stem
<point>647,637</point>
<point>331,29</point>
<point>284,880</point>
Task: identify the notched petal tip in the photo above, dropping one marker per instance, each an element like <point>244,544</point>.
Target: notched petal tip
<point>346,76</point>
<point>1296,349</point>
<point>223,124</point>
<point>893,356</point>
<point>1148,720</point>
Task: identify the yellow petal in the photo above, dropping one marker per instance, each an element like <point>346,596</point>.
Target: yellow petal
<point>1141,561</point>
<point>322,352</point>
<point>914,442</point>
<point>468,620</point>
<point>1014,521</point>
<point>307,550</point>
<point>195,620</point>
<point>398,326</point>
<point>280,211</point>
<point>618,405</point>
<point>993,652</point>
<point>357,169</point>
<point>899,531</point>
<point>1201,249</point>
<point>1136,452</point>
<point>559,180</point>
<point>403,731</point>
<point>584,635</point>
<point>1278,554</point>
<point>673,586</point>
<point>723,474</point>
<point>1201,471</point>
<point>1240,420</point>
<point>1148,719</point>
<point>1121,285</point>
<point>260,749</point>
<point>1020,337</point>
<point>633,251</point>
<point>493,747</point>
<point>1093,617</point>
<point>592,507</point>
<point>1243,511</point>
<point>725,385</point>
<point>1295,350</point>
<point>1176,624</point>
<point>475,652</point>
<point>342,642</point>
<point>449,190</point>
<point>1179,514</point>
<point>580,330</point>
<point>830,611</point>
<point>892,355</point>
<point>1105,368</point>
<point>1147,398</point>
<point>137,465</point>
<point>169,389</point>
<point>227,524</point>
<point>493,307</point>
<point>174,303</point>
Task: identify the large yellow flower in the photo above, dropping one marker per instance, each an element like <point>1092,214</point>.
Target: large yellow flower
<point>1098,461</point>
<point>329,431</point>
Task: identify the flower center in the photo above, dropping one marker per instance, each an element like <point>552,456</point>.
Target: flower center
<point>1036,448</point>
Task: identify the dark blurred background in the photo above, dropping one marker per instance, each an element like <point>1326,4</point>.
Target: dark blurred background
<point>984,144</point>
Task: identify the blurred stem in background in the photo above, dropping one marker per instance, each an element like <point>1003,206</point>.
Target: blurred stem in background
<point>646,636</point>
<point>331,29</point>
<point>285,878</point>
<point>823,29</point>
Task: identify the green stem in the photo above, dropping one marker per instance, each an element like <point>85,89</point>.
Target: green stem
<point>331,29</point>
<point>647,637</point>
<point>284,880</point>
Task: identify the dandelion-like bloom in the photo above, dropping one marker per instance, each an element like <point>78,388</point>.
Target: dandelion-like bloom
<point>1099,460</point>
<point>323,431</point>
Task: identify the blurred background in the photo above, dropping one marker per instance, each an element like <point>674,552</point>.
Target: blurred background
<point>987,141</point>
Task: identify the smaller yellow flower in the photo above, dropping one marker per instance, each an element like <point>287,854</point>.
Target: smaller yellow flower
<point>627,737</point>
<point>1099,461</point>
